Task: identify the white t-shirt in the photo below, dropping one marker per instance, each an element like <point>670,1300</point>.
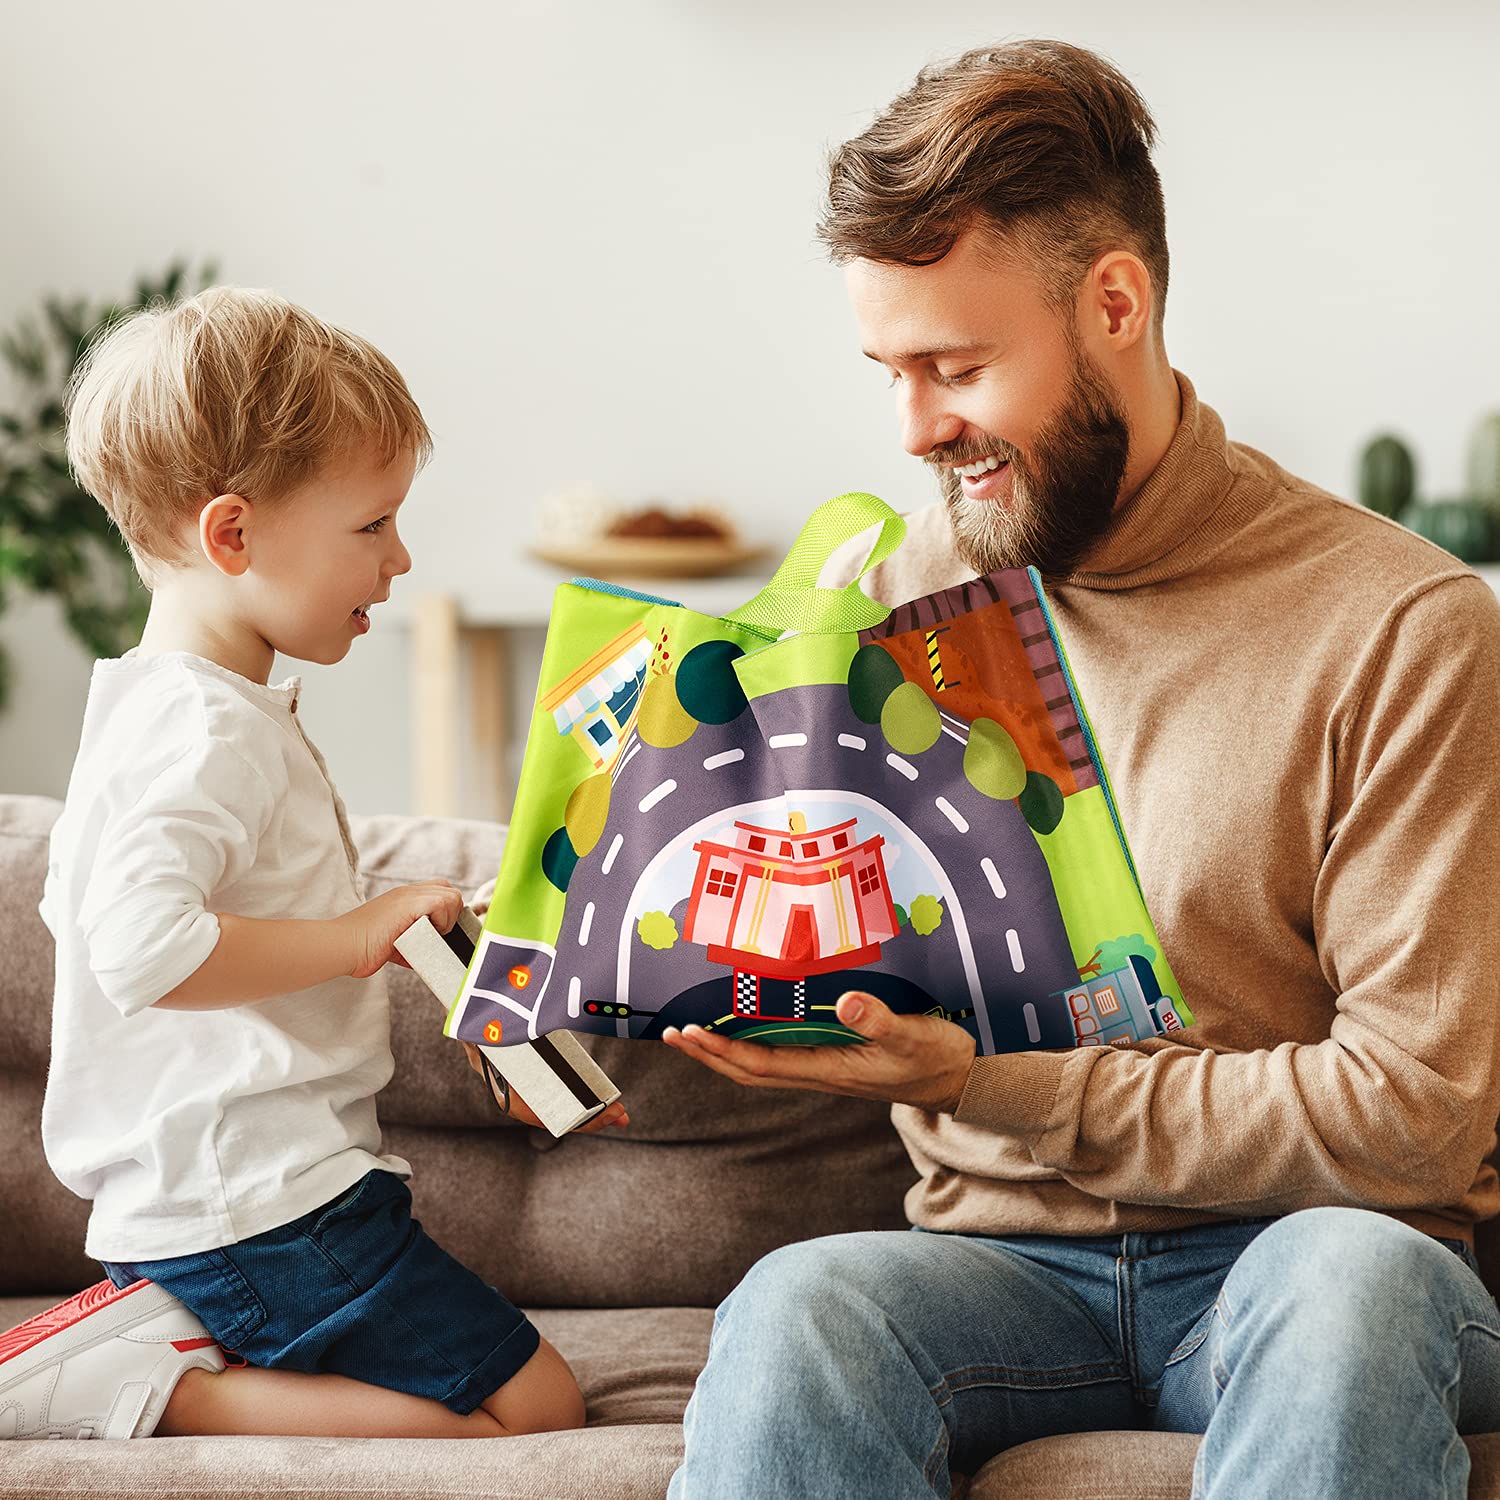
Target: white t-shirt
<point>196,790</point>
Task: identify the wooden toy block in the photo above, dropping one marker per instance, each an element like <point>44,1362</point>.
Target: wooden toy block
<point>561,1083</point>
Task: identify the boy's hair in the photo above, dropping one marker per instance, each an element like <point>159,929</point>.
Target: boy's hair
<point>232,392</point>
<point>1045,144</point>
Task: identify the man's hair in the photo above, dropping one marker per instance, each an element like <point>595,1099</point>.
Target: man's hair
<point>1044,144</point>
<point>232,392</point>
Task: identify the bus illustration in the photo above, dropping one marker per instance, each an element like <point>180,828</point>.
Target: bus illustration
<point>1125,1005</point>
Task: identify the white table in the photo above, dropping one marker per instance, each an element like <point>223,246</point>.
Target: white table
<point>460,659</point>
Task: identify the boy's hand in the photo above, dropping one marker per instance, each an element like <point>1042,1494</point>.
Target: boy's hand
<point>370,931</point>
<point>519,1109</point>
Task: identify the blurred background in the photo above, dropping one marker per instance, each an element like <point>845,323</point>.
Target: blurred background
<point>584,232</point>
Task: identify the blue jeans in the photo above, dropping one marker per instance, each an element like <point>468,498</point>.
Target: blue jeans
<point>1332,1352</point>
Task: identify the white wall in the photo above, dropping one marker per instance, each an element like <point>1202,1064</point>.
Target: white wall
<point>584,232</point>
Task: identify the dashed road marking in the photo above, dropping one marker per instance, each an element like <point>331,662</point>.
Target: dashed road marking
<point>656,794</point>
<point>905,767</point>
<point>851,741</point>
<point>723,758</point>
<point>993,876</point>
<point>1013,942</point>
<point>952,814</point>
<point>614,849</point>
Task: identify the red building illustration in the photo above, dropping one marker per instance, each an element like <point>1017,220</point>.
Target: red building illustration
<point>780,904</point>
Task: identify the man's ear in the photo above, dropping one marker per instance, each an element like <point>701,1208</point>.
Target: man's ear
<point>1119,297</point>
<point>224,533</point>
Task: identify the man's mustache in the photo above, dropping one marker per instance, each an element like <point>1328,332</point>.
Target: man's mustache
<point>968,452</point>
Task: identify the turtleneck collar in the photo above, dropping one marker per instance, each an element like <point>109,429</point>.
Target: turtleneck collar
<point>1184,509</point>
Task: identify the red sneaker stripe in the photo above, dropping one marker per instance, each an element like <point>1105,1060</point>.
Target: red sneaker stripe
<point>54,1319</point>
<point>185,1344</point>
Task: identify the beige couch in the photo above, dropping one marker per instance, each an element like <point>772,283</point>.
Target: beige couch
<point>621,1246</point>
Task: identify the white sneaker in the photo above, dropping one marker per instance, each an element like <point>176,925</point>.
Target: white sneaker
<point>101,1365</point>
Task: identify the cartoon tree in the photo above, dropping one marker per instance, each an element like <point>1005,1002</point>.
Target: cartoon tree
<point>926,915</point>
<point>657,930</point>
<point>1116,954</point>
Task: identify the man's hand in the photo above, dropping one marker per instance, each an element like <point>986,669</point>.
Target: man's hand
<point>614,1115</point>
<point>918,1060</point>
<point>369,932</point>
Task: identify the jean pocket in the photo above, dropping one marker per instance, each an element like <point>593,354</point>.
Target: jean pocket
<point>343,1205</point>
<point>232,1303</point>
<point>1195,1336</point>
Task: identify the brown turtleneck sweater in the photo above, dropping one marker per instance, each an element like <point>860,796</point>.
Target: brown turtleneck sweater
<point>1296,701</point>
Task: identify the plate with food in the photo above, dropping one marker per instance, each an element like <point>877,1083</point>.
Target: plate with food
<point>650,541</point>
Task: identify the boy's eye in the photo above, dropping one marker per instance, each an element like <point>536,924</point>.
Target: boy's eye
<point>375,525</point>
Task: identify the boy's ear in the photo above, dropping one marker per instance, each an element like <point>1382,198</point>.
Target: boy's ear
<point>224,533</point>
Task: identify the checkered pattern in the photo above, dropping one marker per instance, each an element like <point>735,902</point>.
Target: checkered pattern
<point>746,995</point>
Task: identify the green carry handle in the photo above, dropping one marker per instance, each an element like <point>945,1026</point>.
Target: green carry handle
<point>792,599</point>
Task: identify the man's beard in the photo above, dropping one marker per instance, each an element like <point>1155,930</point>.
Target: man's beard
<point>1062,493</point>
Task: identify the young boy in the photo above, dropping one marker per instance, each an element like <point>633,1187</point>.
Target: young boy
<point>221,1025</point>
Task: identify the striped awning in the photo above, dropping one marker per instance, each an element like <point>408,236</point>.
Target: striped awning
<point>600,688</point>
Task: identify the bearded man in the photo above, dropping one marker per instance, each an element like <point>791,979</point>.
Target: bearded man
<point>1260,1229</point>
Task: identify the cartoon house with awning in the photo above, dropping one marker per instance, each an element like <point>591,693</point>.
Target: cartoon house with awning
<point>597,703</point>
<point>780,904</point>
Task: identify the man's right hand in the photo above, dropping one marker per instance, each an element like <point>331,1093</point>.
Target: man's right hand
<point>370,931</point>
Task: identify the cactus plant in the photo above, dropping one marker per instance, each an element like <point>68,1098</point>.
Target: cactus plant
<point>1463,527</point>
<point>1483,467</point>
<point>1387,475</point>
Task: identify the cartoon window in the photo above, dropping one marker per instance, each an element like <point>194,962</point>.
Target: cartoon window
<point>810,851</point>
<point>841,841</point>
<point>722,882</point>
<point>600,731</point>
<point>624,698</point>
<point>1107,1001</point>
<point>869,880</point>
<point>757,844</point>
<point>786,846</point>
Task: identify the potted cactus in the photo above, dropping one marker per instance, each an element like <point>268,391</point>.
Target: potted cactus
<point>1483,468</point>
<point>1387,475</point>
<point>1468,527</point>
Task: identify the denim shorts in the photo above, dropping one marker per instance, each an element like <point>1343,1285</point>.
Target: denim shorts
<point>356,1288</point>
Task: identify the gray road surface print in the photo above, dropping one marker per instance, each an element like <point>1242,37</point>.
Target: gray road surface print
<point>999,952</point>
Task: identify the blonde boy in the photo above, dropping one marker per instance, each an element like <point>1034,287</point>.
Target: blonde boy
<point>221,1025</point>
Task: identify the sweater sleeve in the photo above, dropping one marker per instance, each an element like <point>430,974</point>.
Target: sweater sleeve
<point>162,856</point>
<point>1396,1108</point>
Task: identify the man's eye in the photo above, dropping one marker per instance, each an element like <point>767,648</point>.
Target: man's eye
<point>963,377</point>
<point>375,525</point>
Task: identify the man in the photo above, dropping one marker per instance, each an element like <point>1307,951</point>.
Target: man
<point>1260,1229</point>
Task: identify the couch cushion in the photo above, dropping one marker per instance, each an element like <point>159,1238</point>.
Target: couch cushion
<point>636,1369</point>
<point>1144,1466</point>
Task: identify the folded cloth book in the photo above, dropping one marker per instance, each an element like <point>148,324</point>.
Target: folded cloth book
<point>732,821</point>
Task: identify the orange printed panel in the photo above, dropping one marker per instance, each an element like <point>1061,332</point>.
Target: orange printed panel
<point>986,676</point>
